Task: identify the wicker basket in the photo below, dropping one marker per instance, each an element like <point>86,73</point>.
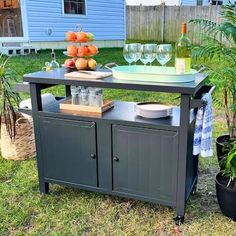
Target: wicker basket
<point>23,146</point>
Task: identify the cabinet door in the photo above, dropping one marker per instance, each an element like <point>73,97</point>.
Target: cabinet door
<point>69,150</point>
<point>145,163</point>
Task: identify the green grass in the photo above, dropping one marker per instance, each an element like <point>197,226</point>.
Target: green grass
<point>68,211</point>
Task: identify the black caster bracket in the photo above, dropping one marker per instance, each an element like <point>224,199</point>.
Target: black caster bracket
<point>194,190</point>
<point>179,220</point>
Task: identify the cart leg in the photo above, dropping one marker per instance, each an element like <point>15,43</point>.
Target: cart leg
<point>44,188</point>
<point>35,92</point>
<point>182,160</point>
<point>179,219</point>
<point>68,91</point>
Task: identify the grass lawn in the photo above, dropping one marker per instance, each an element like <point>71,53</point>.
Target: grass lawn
<point>68,211</point>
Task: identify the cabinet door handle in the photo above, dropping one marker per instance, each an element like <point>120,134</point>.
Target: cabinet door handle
<point>93,156</point>
<point>116,159</point>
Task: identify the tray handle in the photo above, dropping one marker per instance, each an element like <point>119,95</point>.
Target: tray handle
<point>201,69</point>
<point>110,65</point>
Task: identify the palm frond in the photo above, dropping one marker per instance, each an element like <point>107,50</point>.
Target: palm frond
<point>228,31</point>
<point>208,26</point>
<point>228,13</point>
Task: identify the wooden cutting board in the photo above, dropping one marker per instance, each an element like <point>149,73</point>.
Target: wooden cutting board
<point>90,75</point>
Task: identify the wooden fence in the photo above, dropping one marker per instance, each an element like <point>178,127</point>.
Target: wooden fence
<point>163,23</point>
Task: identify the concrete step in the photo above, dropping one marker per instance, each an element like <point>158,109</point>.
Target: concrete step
<point>17,49</point>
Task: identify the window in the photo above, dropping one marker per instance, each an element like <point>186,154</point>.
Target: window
<point>74,7</point>
<point>10,19</point>
<point>216,2</point>
<point>199,2</point>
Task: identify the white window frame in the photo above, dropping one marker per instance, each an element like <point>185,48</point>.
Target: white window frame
<point>73,15</point>
<point>25,37</point>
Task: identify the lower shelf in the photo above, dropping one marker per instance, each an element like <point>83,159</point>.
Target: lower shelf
<point>122,112</point>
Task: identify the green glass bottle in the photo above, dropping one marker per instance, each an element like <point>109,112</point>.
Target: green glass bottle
<point>183,52</point>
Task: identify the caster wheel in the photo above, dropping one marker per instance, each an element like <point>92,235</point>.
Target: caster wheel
<point>179,220</point>
<point>194,190</point>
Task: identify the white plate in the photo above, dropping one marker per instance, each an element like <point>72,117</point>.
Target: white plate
<point>153,110</point>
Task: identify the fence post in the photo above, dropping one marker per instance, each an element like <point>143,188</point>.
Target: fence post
<point>163,23</point>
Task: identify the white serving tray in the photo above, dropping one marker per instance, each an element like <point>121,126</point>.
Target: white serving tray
<point>160,74</point>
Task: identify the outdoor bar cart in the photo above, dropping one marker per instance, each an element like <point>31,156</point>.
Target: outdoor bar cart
<point>118,153</point>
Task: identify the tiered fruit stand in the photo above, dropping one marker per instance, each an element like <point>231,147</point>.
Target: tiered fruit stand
<point>81,50</point>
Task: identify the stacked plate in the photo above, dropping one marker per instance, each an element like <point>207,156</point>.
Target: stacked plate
<point>152,110</point>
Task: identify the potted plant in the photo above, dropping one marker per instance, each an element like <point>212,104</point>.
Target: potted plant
<point>218,54</point>
<point>226,184</point>
<point>9,98</point>
<point>17,137</point>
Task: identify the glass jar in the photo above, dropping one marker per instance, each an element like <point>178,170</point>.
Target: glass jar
<point>99,97</point>
<point>75,95</point>
<point>83,96</point>
<point>92,96</point>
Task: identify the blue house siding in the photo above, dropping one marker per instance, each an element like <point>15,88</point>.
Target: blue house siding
<point>106,19</point>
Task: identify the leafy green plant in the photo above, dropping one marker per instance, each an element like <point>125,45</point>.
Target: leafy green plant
<point>9,98</point>
<point>229,165</point>
<point>218,54</point>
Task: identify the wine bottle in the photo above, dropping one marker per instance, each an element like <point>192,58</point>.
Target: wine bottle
<point>54,64</point>
<point>183,52</point>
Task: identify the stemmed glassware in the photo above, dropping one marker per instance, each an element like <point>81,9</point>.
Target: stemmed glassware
<point>147,54</point>
<point>127,55</point>
<point>132,52</point>
<point>164,53</point>
<point>135,51</point>
<point>154,53</point>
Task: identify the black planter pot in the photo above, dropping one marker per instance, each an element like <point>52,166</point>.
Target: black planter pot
<point>221,141</point>
<point>226,198</point>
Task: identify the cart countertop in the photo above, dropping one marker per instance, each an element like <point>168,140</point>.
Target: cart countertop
<point>56,77</point>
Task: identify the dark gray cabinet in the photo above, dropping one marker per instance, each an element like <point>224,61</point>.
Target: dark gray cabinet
<point>145,162</point>
<point>69,151</point>
<point>118,153</point>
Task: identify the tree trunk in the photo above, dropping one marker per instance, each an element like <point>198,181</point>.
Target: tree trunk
<point>227,112</point>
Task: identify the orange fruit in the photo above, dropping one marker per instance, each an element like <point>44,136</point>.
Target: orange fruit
<point>81,64</point>
<point>82,37</point>
<point>72,50</point>
<point>71,36</point>
<point>83,51</point>
<point>92,50</point>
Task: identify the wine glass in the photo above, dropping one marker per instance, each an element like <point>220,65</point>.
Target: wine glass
<point>164,53</point>
<point>135,51</point>
<point>147,54</point>
<point>127,55</point>
<point>154,52</point>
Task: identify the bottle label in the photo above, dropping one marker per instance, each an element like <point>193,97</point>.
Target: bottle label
<point>182,65</point>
